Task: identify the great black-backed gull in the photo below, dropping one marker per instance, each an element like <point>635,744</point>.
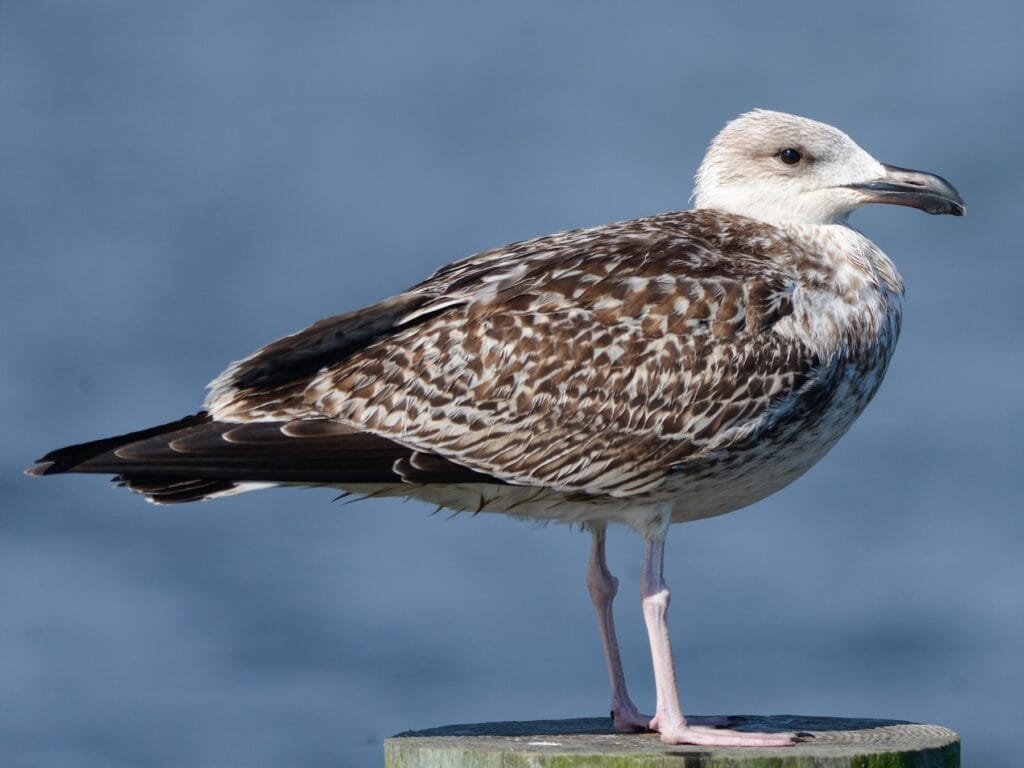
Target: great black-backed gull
<point>647,372</point>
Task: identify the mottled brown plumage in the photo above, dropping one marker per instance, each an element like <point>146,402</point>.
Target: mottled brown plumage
<point>592,343</point>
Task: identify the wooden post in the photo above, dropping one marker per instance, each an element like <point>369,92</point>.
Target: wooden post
<point>831,742</point>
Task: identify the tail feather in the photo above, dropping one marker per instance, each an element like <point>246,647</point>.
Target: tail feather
<point>161,490</point>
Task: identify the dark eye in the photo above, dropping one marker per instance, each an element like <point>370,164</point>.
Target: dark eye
<point>790,156</point>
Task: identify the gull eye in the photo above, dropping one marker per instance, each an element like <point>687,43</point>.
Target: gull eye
<point>790,156</point>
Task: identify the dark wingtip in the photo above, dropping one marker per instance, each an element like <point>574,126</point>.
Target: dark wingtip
<point>39,469</point>
<point>72,457</point>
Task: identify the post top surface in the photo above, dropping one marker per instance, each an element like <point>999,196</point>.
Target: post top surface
<point>831,741</point>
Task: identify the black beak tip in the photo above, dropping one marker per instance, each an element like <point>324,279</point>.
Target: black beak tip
<point>950,208</point>
<point>950,202</point>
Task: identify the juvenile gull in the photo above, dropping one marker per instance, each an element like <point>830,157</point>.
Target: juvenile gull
<point>647,372</point>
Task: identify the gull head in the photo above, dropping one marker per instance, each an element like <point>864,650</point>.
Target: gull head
<point>783,168</point>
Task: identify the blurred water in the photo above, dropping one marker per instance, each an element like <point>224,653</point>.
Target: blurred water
<point>183,182</point>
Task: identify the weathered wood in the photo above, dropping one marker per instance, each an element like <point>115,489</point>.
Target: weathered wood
<point>831,743</point>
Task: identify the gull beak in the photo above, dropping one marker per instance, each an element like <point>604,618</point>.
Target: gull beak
<point>902,186</point>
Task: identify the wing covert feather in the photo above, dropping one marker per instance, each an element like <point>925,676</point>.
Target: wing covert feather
<point>592,360</point>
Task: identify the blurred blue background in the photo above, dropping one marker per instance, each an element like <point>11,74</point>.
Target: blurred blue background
<point>183,182</point>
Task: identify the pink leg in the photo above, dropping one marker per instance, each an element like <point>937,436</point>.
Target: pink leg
<point>603,587</point>
<point>669,720</point>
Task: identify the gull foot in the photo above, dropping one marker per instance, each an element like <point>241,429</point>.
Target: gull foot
<point>703,736</point>
<point>629,720</point>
